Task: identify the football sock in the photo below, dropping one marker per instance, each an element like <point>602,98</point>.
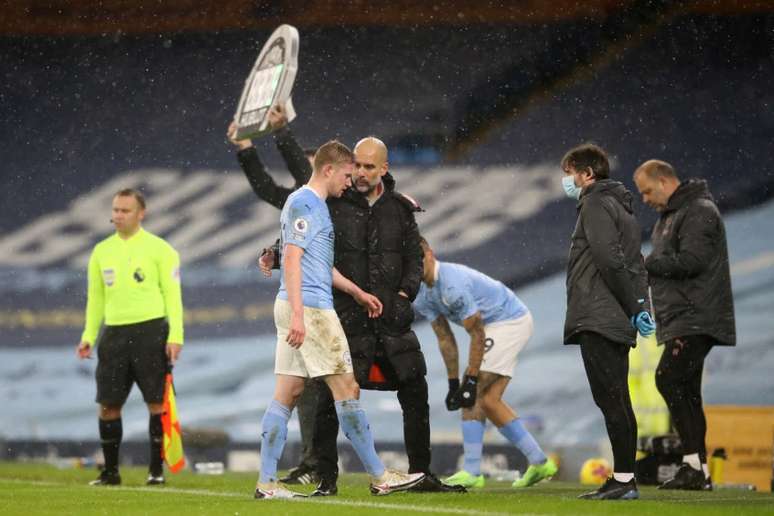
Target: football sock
<point>705,469</point>
<point>353,422</point>
<point>623,477</point>
<point>110,434</point>
<point>693,461</point>
<point>473,444</point>
<point>274,433</point>
<point>156,434</point>
<point>523,440</point>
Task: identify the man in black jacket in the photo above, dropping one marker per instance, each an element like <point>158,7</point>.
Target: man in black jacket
<point>377,247</point>
<point>606,291</point>
<point>267,190</point>
<point>689,274</point>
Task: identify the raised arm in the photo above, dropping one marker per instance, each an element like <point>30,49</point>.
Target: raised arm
<point>294,156</point>
<point>260,181</point>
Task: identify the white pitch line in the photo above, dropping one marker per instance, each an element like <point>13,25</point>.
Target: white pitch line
<point>316,500</point>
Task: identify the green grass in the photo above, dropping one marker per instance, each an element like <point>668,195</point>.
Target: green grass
<point>42,489</point>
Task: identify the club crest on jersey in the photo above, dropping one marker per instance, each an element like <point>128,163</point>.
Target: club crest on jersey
<point>109,277</point>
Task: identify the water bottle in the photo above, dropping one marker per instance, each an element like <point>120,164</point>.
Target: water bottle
<point>716,463</point>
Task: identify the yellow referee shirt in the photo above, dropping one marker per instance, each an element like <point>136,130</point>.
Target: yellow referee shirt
<point>132,281</point>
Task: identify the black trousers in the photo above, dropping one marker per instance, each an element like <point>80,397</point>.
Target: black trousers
<point>307,408</point>
<point>607,369</point>
<point>412,396</point>
<point>678,379</point>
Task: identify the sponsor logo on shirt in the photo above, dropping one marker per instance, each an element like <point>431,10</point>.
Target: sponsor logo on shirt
<point>109,276</point>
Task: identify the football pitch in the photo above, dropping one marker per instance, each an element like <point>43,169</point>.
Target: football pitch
<point>42,489</point>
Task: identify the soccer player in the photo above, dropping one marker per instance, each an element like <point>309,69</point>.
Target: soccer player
<point>134,287</point>
<point>310,339</point>
<point>299,161</point>
<point>499,325</point>
<point>606,293</point>
<point>689,274</point>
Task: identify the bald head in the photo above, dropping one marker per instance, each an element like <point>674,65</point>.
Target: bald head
<point>372,146</point>
<point>370,165</point>
<point>654,168</point>
<point>657,181</point>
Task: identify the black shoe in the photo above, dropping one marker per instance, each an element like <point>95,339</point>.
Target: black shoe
<point>326,487</point>
<point>431,484</point>
<point>303,474</point>
<point>155,480</point>
<point>107,478</point>
<point>687,478</point>
<point>612,489</point>
<point>707,484</point>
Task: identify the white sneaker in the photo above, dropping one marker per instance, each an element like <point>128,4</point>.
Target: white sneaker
<point>392,481</point>
<point>273,490</point>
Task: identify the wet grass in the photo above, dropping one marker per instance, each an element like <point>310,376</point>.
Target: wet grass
<point>43,489</point>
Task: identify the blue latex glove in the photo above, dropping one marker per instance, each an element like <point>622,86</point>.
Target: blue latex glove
<point>644,323</point>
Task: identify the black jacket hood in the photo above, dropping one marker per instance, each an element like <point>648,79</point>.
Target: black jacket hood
<point>611,188</point>
<point>689,190</point>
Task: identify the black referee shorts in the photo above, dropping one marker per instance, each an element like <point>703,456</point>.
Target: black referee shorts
<point>128,354</point>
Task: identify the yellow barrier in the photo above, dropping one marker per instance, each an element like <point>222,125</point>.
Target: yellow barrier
<point>746,434</point>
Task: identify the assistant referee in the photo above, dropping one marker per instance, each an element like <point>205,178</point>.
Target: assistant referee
<point>134,287</point>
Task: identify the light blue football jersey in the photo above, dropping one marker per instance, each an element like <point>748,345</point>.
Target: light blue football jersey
<point>459,292</point>
<point>306,223</point>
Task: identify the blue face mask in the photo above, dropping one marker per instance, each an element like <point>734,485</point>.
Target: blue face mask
<point>572,191</point>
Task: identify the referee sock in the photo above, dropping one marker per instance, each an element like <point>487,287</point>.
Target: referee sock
<point>156,434</point>
<point>353,422</point>
<point>110,434</point>
<point>693,461</point>
<point>273,436</point>
<point>473,444</point>
<point>523,440</point>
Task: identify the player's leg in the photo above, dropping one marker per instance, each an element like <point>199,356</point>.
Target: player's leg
<point>354,423</point>
<point>511,427</point>
<point>473,427</point>
<point>326,353</point>
<point>306,471</point>
<point>274,433</point>
<point>114,383</point>
<point>290,373</point>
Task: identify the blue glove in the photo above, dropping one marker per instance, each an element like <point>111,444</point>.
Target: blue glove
<point>644,323</point>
